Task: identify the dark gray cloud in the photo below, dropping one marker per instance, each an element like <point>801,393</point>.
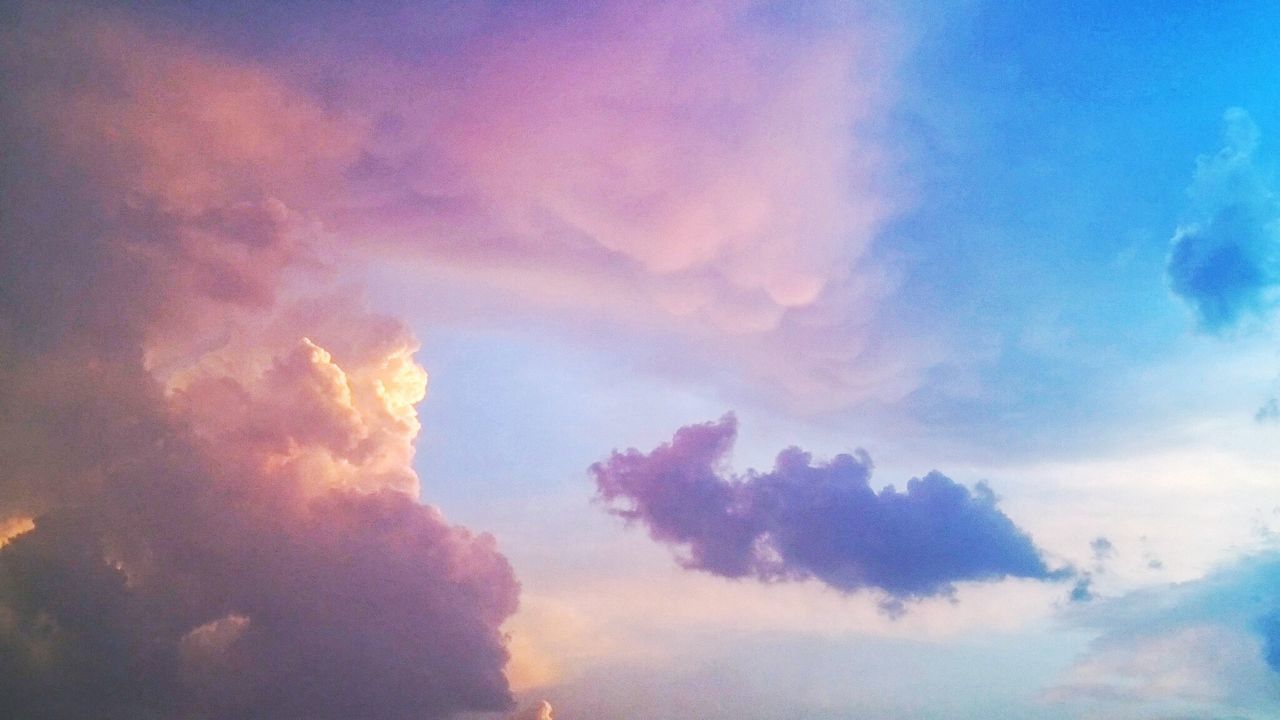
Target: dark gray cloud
<point>805,520</point>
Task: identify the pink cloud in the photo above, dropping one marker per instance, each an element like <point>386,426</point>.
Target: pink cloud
<point>656,166</point>
<point>224,519</point>
<point>679,139</point>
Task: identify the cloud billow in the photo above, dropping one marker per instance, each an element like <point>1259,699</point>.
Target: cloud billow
<point>804,520</point>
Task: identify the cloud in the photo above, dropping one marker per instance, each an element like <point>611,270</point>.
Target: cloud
<point>710,178</point>
<point>1102,549</point>
<point>1225,261</point>
<point>1206,646</point>
<point>356,602</point>
<point>822,521</point>
<point>13,527</point>
<point>703,171</point>
<point>1188,664</point>
<point>1269,412</point>
<point>1082,590</point>
<point>540,711</point>
<point>695,144</point>
<point>208,505</point>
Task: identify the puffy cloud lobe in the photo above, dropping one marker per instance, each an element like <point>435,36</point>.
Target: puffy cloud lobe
<point>1226,261</point>
<point>307,417</point>
<point>208,506</point>
<point>822,521</point>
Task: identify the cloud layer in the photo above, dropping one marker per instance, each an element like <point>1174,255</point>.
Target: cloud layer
<point>822,521</point>
<point>206,494</point>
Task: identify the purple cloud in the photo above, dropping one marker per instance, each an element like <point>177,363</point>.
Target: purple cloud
<point>804,520</point>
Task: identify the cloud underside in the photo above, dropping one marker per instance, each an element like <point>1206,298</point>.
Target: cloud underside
<point>804,520</point>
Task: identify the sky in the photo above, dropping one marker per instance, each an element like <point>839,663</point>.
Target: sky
<point>609,361</point>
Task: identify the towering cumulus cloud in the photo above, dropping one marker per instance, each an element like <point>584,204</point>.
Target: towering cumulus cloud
<point>1225,262</point>
<point>206,499</point>
<point>803,520</point>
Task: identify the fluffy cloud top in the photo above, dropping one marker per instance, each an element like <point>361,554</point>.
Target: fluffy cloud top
<point>822,521</point>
